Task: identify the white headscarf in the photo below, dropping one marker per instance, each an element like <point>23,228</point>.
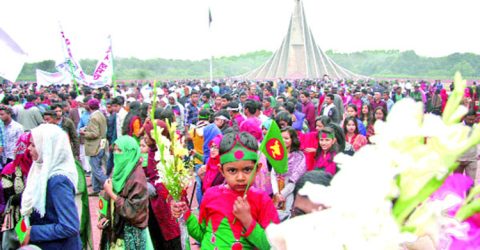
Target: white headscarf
<point>55,157</point>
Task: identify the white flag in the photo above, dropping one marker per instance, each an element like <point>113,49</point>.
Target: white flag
<point>70,65</point>
<point>103,71</point>
<point>46,78</point>
<point>12,57</point>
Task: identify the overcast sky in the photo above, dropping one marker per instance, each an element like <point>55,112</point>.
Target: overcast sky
<point>178,29</point>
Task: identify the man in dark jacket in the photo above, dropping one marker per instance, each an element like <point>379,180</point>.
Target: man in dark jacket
<point>55,116</point>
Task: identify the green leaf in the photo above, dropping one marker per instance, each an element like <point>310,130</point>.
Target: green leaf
<point>466,211</point>
<point>404,207</point>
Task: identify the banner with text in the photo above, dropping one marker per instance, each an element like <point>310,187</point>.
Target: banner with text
<point>103,71</point>
<point>70,65</point>
<point>47,79</point>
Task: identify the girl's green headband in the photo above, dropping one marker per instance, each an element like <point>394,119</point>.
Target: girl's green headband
<point>238,152</point>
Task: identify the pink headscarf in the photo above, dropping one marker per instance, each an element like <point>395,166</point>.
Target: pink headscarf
<point>253,126</point>
<point>22,156</point>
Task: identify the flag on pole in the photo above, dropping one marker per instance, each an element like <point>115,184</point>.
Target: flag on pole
<point>209,17</point>
<point>104,69</point>
<point>274,149</point>
<point>21,229</point>
<point>103,73</point>
<point>102,206</point>
<point>12,57</point>
<point>69,64</point>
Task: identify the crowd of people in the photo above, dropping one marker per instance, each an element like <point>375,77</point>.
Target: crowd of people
<point>52,138</point>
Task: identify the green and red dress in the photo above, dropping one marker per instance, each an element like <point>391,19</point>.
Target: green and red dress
<point>217,228</point>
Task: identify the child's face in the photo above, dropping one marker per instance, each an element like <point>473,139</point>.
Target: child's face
<point>143,146</point>
<point>238,173</point>
<point>213,150</point>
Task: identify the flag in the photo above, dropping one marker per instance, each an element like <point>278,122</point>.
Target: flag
<point>21,229</point>
<point>12,57</point>
<point>103,73</point>
<point>102,206</point>
<point>70,65</point>
<point>209,17</point>
<point>274,149</point>
<point>47,79</point>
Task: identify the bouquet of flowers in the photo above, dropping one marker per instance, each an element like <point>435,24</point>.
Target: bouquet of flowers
<point>174,164</point>
<point>388,194</point>
<point>174,168</point>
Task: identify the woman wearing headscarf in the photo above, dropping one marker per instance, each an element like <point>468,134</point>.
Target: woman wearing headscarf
<point>209,132</point>
<point>163,227</point>
<point>133,123</point>
<point>49,194</point>
<point>213,177</point>
<point>13,180</point>
<point>127,211</point>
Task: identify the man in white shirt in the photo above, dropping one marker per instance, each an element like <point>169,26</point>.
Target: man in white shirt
<point>117,106</point>
<point>12,131</point>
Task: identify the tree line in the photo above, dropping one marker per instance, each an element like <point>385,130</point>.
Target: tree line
<point>377,63</point>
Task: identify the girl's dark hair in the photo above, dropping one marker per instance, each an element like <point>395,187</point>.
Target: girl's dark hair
<point>383,111</point>
<point>244,138</point>
<point>284,116</point>
<point>324,119</point>
<point>345,123</point>
<point>293,137</point>
<point>339,135</point>
<point>316,177</point>
<point>369,117</point>
<point>353,106</point>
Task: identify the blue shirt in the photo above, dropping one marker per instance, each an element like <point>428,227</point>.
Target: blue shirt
<point>60,227</point>
<point>361,127</point>
<point>84,119</point>
<point>191,114</point>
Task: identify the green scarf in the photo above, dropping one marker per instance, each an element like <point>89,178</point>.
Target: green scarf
<point>125,162</point>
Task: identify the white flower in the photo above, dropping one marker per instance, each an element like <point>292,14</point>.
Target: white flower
<point>431,219</point>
